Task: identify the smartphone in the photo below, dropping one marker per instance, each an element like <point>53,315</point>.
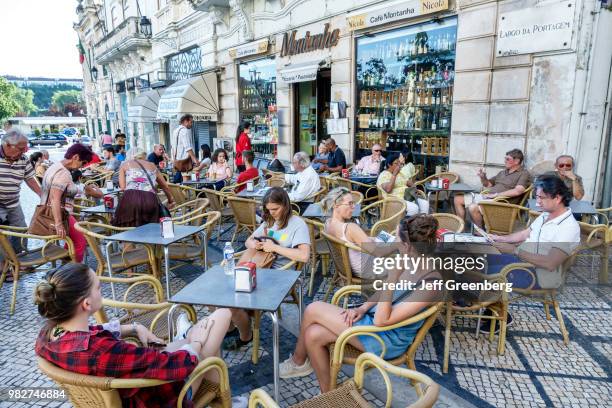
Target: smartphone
<point>263,238</point>
<point>156,344</point>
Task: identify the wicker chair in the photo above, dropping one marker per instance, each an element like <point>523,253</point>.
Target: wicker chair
<point>522,200</point>
<point>153,315</point>
<point>276,182</point>
<point>87,391</point>
<point>244,214</point>
<point>319,250</point>
<point>31,259</point>
<point>192,248</point>
<point>593,239</point>
<point>357,197</point>
<point>269,173</point>
<point>496,302</point>
<point>122,260</point>
<point>548,297</point>
<point>343,353</point>
<point>343,274</point>
<point>231,189</point>
<point>318,196</point>
<point>353,185</point>
<point>189,209</point>
<point>180,193</point>
<point>391,211</point>
<point>217,202</point>
<point>452,178</point>
<point>349,393</point>
<point>499,217</point>
<point>449,221</point>
<point>605,214</point>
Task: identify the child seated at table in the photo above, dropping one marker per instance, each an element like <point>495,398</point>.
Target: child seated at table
<point>70,295</point>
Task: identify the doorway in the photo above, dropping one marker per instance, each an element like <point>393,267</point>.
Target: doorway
<point>311,99</point>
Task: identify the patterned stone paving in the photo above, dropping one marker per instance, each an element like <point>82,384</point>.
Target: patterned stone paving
<point>537,370</point>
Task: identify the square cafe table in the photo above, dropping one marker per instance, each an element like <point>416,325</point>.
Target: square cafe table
<point>215,288</point>
<point>98,209</point>
<point>452,188</point>
<point>258,192</point>
<point>150,234</point>
<point>577,207</point>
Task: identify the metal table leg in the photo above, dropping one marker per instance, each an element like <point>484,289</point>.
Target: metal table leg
<point>275,351</point>
<point>167,268</point>
<point>171,321</point>
<point>300,300</point>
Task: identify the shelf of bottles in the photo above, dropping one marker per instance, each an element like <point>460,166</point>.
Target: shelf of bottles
<point>405,92</point>
<point>258,104</point>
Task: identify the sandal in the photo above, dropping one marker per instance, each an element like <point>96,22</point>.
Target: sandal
<point>235,343</point>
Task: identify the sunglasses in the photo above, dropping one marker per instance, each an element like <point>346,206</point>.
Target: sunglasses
<point>565,165</point>
<point>377,150</point>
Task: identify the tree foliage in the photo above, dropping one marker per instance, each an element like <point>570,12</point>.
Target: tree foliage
<point>8,102</point>
<point>65,102</point>
<point>25,100</point>
<point>44,93</point>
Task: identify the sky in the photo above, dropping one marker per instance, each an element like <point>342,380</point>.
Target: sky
<point>37,38</point>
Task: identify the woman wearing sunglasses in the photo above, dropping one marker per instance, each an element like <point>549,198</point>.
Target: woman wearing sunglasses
<point>340,203</point>
<point>395,182</point>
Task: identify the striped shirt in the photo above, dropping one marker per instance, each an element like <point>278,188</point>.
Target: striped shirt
<point>11,176</point>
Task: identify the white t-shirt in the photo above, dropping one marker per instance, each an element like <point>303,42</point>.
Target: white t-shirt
<point>294,234</point>
<point>306,183</point>
<point>181,143</point>
<point>562,232</point>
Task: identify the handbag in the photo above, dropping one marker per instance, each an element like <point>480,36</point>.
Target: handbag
<point>260,258</point>
<point>163,210</point>
<point>43,222</point>
<point>184,165</point>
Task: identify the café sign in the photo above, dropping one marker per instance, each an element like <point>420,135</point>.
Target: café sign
<point>536,29</point>
<point>394,12</point>
<point>253,48</point>
<point>293,46</point>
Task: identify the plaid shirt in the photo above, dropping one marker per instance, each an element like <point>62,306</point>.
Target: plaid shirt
<point>98,353</point>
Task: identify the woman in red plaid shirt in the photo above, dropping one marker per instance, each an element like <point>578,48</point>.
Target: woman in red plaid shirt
<point>70,295</point>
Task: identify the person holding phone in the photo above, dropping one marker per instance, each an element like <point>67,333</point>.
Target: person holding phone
<point>281,233</point>
<point>70,295</point>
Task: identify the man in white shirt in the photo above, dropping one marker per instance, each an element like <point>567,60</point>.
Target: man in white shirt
<point>182,145</point>
<point>306,180</point>
<point>546,244</point>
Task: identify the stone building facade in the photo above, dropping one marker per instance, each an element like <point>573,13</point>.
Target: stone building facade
<point>546,103</point>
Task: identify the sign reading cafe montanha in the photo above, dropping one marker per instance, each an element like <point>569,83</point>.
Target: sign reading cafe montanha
<point>291,46</point>
<point>394,12</point>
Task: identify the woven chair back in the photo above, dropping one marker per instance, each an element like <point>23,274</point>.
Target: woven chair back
<point>243,210</point>
<point>499,218</point>
<point>276,182</point>
<point>450,222</point>
<point>391,206</point>
<point>340,256</point>
<point>357,197</point>
<point>215,199</point>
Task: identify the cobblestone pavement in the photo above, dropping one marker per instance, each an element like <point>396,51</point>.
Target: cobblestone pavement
<point>537,369</point>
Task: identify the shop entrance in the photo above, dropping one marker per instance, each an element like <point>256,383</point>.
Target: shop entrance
<point>311,100</point>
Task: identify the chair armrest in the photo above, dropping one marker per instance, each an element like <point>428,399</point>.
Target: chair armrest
<point>367,207</point>
<point>518,266</point>
<point>288,265</point>
<point>598,229</point>
<point>210,363</point>
<point>135,281</point>
<point>261,398</point>
<point>344,291</point>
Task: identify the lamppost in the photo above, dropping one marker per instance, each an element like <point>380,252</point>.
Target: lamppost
<point>94,73</point>
<point>145,27</point>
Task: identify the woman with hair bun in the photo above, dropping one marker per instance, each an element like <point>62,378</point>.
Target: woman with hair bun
<point>70,295</point>
<point>323,323</point>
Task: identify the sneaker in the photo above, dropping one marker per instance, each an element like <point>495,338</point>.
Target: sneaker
<point>485,325</point>
<point>289,369</point>
<point>235,343</point>
<point>183,324</point>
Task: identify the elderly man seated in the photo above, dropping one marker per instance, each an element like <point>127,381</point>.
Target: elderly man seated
<point>306,180</point>
<point>510,182</point>
<point>371,164</point>
<point>546,244</point>
<point>564,168</point>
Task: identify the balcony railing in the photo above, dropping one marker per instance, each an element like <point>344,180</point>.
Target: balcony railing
<point>124,38</point>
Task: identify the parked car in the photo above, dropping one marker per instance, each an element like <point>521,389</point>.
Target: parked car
<point>86,140</point>
<point>49,139</point>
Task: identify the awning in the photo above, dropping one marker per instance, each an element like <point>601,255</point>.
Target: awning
<point>300,73</point>
<point>144,107</point>
<point>197,96</point>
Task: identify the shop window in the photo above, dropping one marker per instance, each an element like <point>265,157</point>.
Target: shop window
<point>405,92</point>
<point>257,85</point>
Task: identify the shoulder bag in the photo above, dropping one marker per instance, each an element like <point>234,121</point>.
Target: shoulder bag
<point>43,222</point>
<point>163,210</point>
<point>184,165</point>
<point>260,258</point>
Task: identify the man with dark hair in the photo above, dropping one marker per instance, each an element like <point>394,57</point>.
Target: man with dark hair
<point>120,138</point>
<point>182,146</point>
<point>564,168</point>
<point>546,244</point>
<point>112,164</point>
<point>510,182</point>
<point>336,160</point>
<point>250,173</point>
<point>158,156</point>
